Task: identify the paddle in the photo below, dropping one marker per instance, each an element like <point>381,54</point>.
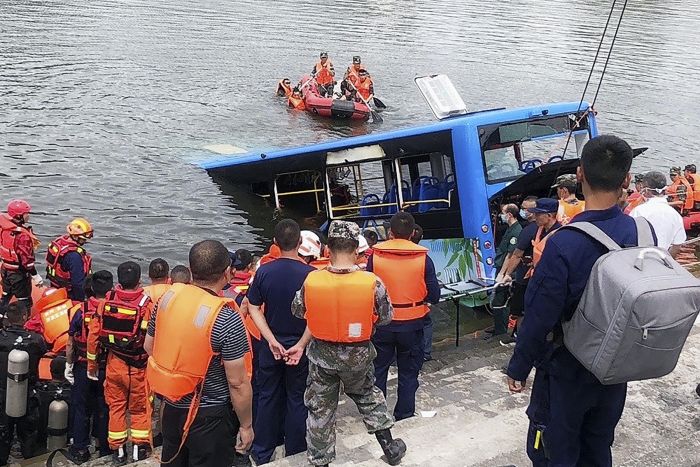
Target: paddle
<point>379,103</point>
<point>374,116</point>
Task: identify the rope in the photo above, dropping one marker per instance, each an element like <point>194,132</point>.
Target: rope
<point>590,76</point>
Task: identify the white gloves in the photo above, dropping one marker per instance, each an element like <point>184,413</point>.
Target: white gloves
<point>92,376</point>
<point>68,373</point>
<point>37,280</point>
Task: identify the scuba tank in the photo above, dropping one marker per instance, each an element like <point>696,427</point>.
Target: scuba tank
<point>58,425</point>
<point>17,382</point>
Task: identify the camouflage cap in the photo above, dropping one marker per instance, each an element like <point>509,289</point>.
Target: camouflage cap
<point>675,170</point>
<point>638,178</point>
<point>565,180</point>
<point>356,59</point>
<point>344,229</point>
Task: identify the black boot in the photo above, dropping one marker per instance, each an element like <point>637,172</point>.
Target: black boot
<point>394,449</point>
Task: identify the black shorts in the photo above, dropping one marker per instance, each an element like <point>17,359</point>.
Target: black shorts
<point>210,442</point>
<point>17,284</point>
<point>517,298</point>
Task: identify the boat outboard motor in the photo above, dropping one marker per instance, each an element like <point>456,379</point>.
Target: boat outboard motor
<point>17,382</point>
<point>57,428</point>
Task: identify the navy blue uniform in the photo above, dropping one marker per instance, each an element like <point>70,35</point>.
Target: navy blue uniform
<point>575,414</point>
<point>73,263</point>
<point>281,413</point>
<point>403,341</point>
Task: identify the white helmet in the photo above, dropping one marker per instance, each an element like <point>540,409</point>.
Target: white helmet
<point>310,244</point>
<point>363,246</point>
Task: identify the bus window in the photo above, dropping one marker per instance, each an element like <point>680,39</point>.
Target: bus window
<point>365,189</point>
<point>431,182</point>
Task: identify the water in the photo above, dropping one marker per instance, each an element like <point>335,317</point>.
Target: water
<point>102,104</point>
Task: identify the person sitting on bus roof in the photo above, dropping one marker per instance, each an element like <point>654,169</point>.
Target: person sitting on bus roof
<point>569,205</point>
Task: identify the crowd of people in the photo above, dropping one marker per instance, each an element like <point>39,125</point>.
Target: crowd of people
<point>357,84</point>
<point>244,355</point>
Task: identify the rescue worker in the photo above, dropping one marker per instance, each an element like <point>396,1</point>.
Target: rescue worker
<point>54,312</point>
<point>14,336</point>
<point>572,415</point>
<point>89,408</point>
<point>506,247</point>
<point>324,73</point>
<point>187,356</point>
<point>284,88</point>
<point>67,262</point>
<point>342,355</point>
<point>409,276</point>
<point>516,265</point>
<point>352,76</point>
<point>689,172</point>
<point>362,255</point>
<point>372,239</point>
<point>569,204</point>
<point>635,198</point>
<point>17,244</point>
<point>296,100</point>
<point>364,89</point>
<point>281,413</point>
<point>545,211</point>
<point>159,275</point>
<point>119,328</point>
<point>242,263</point>
<point>312,250</point>
<point>680,193</point>
<point>180,275</point>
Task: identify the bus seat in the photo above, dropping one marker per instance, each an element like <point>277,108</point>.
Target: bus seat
<point>366,209</point>
<point>447,185</point>
<point>429,189</point>
<point>391,196</point>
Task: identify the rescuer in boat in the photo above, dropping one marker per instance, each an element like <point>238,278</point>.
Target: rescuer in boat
<point>180,275</point>
<point>341,305</point>
<point>409,276</point>
<point>159,275</point>
<point>569,204</point>
<point>119,327</point>
<point>14,336</point>
<point>67,262</point>
<point>572,415</point>
<point>690,174</point>
<point>324,73</point>
<point>281,414</point>
<point>296,100</point>
<point>506,247</point>
<point>667,223</point>
<point>284,88</point>
<point>87,396</point>
<point>635,198</point>
<point>191,352</point>
<point>363,89</point>
<point>17,245</point>
<point>352,76</point>
<point>680,193</point>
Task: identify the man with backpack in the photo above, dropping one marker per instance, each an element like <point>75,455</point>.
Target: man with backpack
<point>572,414</point>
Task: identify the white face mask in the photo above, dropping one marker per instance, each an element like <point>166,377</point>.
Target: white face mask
<point>504,218</point>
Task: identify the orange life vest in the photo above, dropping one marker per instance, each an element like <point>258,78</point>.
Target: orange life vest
<point>672,192</point>
<point>57,250</point>
<point>400,264</point>
<point>286,87</point>
<point>238,285</point>
<point>54,314</point>
<point>89,309</point>
<point>271,255</point>
<point>125,315</point>
<point>538,245</point>
<point>297,103</point>
<point>155,291</point>
<point>321,263</point>
<point>323,73</point>
<point>353,75</point>
<point>693,180</point>
<point>340,307</point>
<point>45,367</point>
<point>568,209</point>
<point>363,87</point>
<point>9,231</point>
<point>634,200</point>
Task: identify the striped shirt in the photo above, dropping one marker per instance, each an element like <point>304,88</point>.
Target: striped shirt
<point>229,341</point>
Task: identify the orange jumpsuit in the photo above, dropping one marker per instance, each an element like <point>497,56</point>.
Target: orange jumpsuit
<point>125,383</point>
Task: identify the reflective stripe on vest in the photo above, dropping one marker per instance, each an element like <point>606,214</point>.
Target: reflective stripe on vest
<point>124,321</point>
<point>340,307</point>
<point>400,264</point>
<point>182,342</point>
<point>54,255</point>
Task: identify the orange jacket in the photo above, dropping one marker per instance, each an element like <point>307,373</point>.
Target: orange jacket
<point>364,87</point>
<point>568,209</point>
<point>672,192</point>
<point>324,76</point>
<point>352,75</point>
<point>634,200</point>
<point>11,254</point>
<point>155,291</point>
<point>400,264</point>
<point>55,253</point>
<point>286,88</point>
<point>693,181</point>
<point>538,245</point>
<point>296,103</point>
<point>321,263</point>
<point>340,307</point>
<point>55,312</point>
<point>271,255</point>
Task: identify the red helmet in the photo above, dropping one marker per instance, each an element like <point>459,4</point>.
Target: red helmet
<point>17,208</point>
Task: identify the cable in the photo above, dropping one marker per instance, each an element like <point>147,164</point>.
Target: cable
<point>607,60</point>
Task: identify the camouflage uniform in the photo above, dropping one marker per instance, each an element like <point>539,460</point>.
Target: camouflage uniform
<point>331,364</point>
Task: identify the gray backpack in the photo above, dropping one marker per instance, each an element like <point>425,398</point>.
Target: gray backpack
<point>636,312</point>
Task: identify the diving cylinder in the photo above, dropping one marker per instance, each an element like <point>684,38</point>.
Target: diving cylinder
<point>17,382</point>
<point>57,427</point>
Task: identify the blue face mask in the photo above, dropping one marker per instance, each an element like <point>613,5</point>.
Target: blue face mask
<point>523,213</point>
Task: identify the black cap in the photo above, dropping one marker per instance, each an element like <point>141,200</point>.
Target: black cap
<point>324,55</point>
<point>356,59</point>
<point>691,168</point>
<point>363,72</point>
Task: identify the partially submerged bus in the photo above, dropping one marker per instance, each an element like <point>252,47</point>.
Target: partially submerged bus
<point>452,175</point>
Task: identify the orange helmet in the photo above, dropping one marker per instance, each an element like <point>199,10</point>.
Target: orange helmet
<point>79,227</point>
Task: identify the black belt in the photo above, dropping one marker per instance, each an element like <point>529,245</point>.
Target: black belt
<point>408,305</point>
